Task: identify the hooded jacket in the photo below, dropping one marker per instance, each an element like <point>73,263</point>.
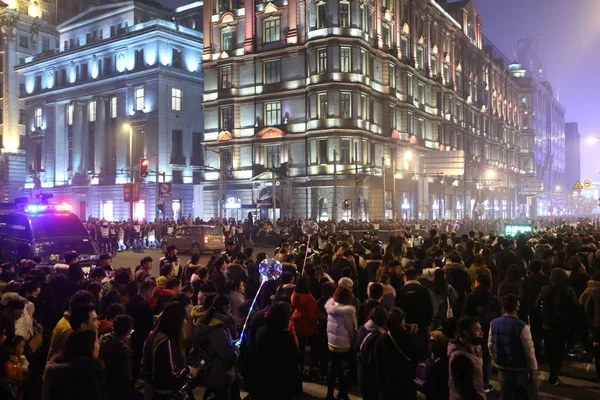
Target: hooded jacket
<point>341,325</point>
<point>220,370</point>
<point>306,314</point>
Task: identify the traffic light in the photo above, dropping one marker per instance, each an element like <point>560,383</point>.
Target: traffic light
<point>144,164</point>
<point>347,203</point>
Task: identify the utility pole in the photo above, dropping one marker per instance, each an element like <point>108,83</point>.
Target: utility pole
<point>383,185</point>
<point>356,177</point>
<point>221,187</point>
<point>273,191</point>
<point>157,186</point>
<point>335,204</point>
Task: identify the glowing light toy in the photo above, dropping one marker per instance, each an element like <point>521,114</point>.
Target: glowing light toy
<point>270,270</point>
<point>309,228</point>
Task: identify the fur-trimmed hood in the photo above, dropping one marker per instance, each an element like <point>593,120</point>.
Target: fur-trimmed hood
<point>339,310</point>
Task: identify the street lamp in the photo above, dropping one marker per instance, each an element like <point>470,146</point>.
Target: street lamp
<point>128,127</point>
<point>490,174</point>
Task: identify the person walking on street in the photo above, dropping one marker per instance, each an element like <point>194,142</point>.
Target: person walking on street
<point>512,350</point>
<point>557,303</point>
<point>466,372</point>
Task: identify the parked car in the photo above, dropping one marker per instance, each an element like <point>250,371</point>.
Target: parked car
<point>195,239</point>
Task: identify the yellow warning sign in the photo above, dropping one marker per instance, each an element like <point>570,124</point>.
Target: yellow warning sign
<point>578,186</point>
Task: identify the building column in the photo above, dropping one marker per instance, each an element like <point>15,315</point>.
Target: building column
<point>100,132</point>
<point>78,139</point>
<point>249,25</point>
<point>292,35</point>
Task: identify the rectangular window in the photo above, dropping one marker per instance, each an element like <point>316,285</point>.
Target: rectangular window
<point>38,117</point>
<point>322,64</point>
<point>177,58</point>
<point>70,112</point>
<point>108,66</point>
<point>323,156</point>
<point>344,14</point>
<point>346,105</point>
<point>22,116</point>
<point>84,71</point>
<point>420,128</point>
<point>273,157</point>
<point>345,151</point>
<point>409,123</point>
<point>139,99</point>
<point>177,149</point>
<point>322,111</point>
<point>226,117</point>
<point>70,149</point>
<point>434,67</point>
<point>92,111</point>
<point>392,117</point>
<point>386,37</point>
<point>176,99</point>
<point>420,93</point>
<point>364,65</point>
<point>364,107</point>
<point>420,58</point>
<point>404,48</point>
<point>24,41</point>
<point>113,107</point>
<point>409,85</point>
<point>345,59</point>
<point>225,77</point>
<point>321,16</point>
<point>272,71</point>
<point>21,90</point>
<point>139,58</point>
<point>45,44</point>
<point>272,30</point>
<point>392,76</point>
<point>273,113</point>
<point>227,39</point>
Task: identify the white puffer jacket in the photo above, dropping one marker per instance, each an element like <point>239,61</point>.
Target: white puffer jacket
<point>341,324</point>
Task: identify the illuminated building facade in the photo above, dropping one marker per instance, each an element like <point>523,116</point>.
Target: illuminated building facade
<point>572,154</point>
<point>393,105</point>
<point>124,63</point>
<point>543,139</point>
<point>26,30</point>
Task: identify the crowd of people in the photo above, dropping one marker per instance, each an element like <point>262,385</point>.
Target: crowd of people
<point>436,316</point>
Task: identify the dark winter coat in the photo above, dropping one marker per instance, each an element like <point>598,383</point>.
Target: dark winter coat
<point>81,379</point>
<point>414,299</point>
<point>396,371</point>
<point>221,370</point>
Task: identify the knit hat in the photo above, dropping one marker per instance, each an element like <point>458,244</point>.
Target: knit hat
<point>346,283</point>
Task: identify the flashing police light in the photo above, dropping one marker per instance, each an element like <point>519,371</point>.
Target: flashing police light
<point>40,208</point>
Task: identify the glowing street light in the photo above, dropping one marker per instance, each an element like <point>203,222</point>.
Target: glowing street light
<point>490,174</point>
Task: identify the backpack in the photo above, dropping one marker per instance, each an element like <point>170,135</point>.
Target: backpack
<point>555,308</point>
<point>366,351</point>
<point>200,357</point>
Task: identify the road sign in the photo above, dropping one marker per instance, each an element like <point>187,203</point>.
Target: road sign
<point>164,191</point>
<point>587,183</point>
<point>578,186</point>
<point>131,192</point>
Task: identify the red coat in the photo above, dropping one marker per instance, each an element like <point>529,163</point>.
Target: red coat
<point>306,314</point>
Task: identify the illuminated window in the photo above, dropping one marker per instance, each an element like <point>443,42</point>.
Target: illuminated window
<point>225,77</point>
<point>345,59</point>
<point>404,47</point>
<point>387,38</point>
<point>227,39</point>
<point>107,210</point>
<point>344,14</point>
<point>38,117</point>
<point>409,85</point>
<point>226,118</point>
<point>420,128</point>
<point>113,107</point>
<point>272,30</point>
<point>273,113</point>
<point>322,61</point>
<point>434,67</point>
<point>346,105</point>
<point>70,112</point>
<point>91,111</point>
<point>139,210</point>
<point>272,71</point>
<point>139,99</point>
<point>322,111</point>
<point>175,99</point>
<point>420,58</point>
<point>410,123</point>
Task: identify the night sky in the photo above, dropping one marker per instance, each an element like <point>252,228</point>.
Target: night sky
<point>568,33</point>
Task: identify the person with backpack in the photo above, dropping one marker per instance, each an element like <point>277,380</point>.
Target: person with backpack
<point>396,358</point>
<point>557,303</point>
<point>444,300</point>
<point>483,305</point>
<point>365,343</point>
